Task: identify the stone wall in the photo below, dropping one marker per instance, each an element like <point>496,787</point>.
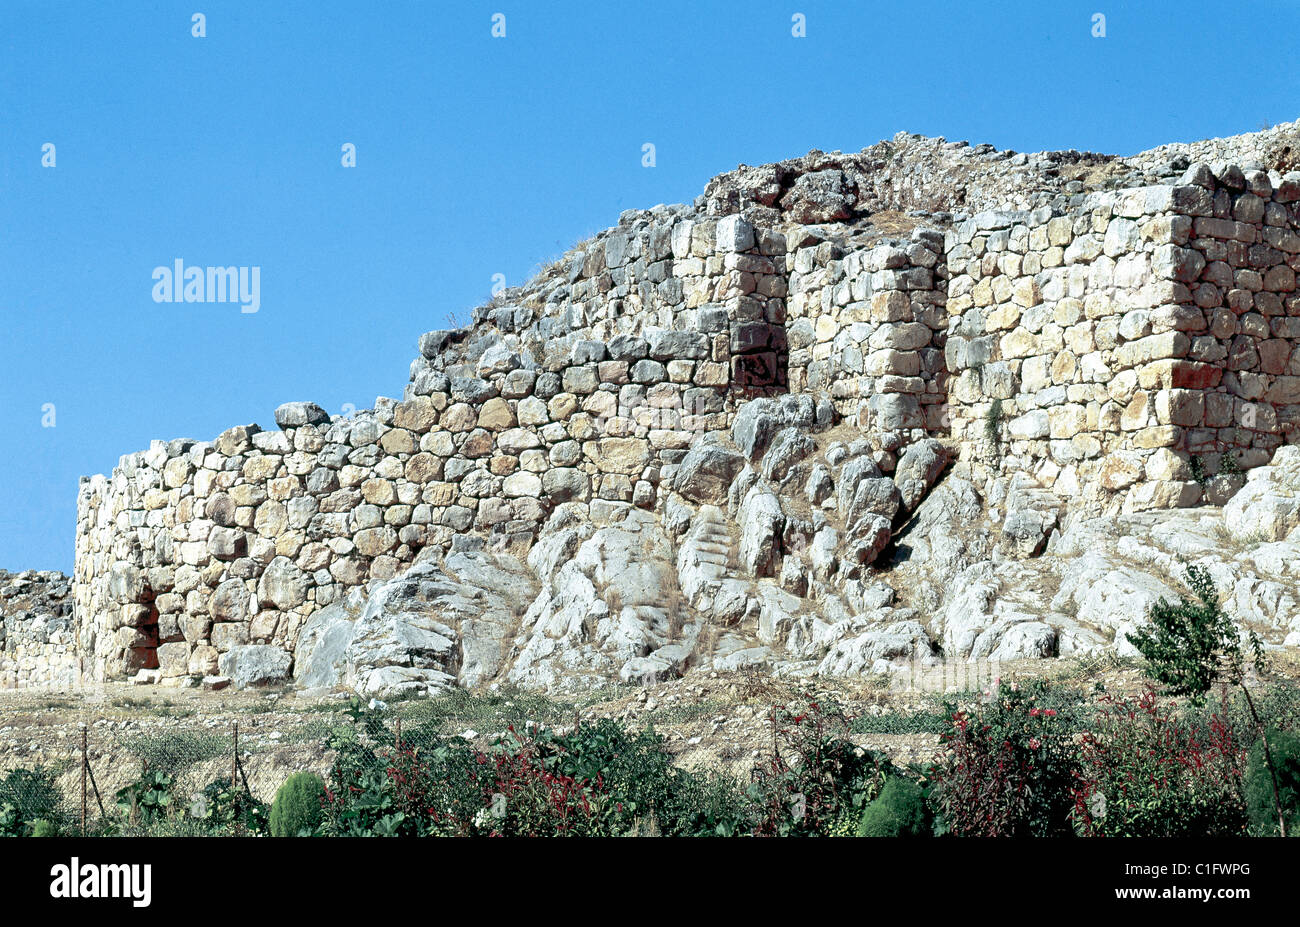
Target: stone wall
<point>867,327</point>
<point>1126,342</point>
<point>1113,345</point>
<point>37,648</point>
<point>662,328</point>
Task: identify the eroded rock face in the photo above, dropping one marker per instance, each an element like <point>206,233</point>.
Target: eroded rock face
<point>433,628</point>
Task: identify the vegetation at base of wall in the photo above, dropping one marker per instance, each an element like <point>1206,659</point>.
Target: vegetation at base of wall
<point>1192,644</point>
<point>296,810</point>
<point>1258,785</point>
<point>30,801</point>
<point>1026,759</point>
<point>898,811</point>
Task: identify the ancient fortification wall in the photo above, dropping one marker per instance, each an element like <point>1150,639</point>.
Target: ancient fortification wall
<point>1104,346</point>
<point>37,649</point>
<point>1096,341</point>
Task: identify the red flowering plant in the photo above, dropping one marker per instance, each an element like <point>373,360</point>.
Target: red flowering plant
<point>813,778</point>
<point>523,797</point>
<point>1007,768</point>
<point>1146,773</point>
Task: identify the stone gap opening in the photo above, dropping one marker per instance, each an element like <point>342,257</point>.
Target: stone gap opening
<point>142,653</point>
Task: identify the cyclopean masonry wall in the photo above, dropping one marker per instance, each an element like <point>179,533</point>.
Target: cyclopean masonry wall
<point>1092,341</point>
<point>1128,342</point>
<point>868,327</point>
<point>37,649</point>
<point>192,548</point>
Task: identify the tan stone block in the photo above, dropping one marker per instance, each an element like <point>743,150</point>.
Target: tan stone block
<point>459,417</point>
<point>892,306</point>
<point>1019,343</point>
<point>1180,407</point>
<point>561,406</point>
<point>1002,318</point>
<point>618,455</point>
<point>203,660</point>
<point>439,495</point>
<point>1064,367</point>
<point>496,415</point>
<point>272,519</point>
<point>1026,293</point>
<point>378,492</point>
<point>1120,470</point>
<point>1157,436</point>
<point>1067,421</point>
<point>1137,414</point>
<point>423,467</point>
<point>417,414</point>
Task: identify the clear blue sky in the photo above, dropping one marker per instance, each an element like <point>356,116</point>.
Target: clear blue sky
<point>475,156</point>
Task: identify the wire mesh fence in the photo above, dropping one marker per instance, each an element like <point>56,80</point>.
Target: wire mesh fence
<point>178,777</point>
<point>419,767</point>
<point>154,770</point>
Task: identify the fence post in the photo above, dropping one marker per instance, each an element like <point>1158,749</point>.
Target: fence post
<point>399,734</point>
<point>85,762</point>
<point>234,761</point>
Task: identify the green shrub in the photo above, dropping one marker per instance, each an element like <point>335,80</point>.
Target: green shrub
<point>297,805</point>
<point>1145,772</point>
<point>1007,769</point>
<point>227,810</point>
<point>27,796</point>
<point>1259,785</point>
<point>813,777</point>
<point>898,811</point>
<point>44,828</point>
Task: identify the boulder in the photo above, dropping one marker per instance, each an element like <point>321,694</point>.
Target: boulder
<point>255,665</point>
<point>297,414</point>
<point>918,469</point>
<point>706,472</point>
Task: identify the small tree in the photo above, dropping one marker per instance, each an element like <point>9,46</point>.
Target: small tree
<point>1192,644</point>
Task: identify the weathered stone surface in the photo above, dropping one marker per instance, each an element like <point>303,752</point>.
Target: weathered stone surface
<point>707,471</point>
<point>297,414</point>
<point>1124,347</point>
<point>282,586</point>
<point>255,665</point>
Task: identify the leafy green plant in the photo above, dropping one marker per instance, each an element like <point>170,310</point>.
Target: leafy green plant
<point>1259,785</point>
<point>898,811</point>
<point>147,799</point>
<point>297,807</point>
<point>227,809</point>
<point>28,796</point>
<point>1007,768</point>
<point>1194,643</point>
<point>1144,772</point>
